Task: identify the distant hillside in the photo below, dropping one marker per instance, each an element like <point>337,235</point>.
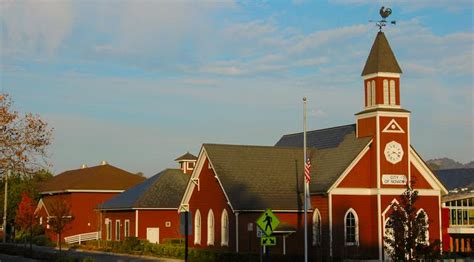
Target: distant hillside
<point>447,163</point>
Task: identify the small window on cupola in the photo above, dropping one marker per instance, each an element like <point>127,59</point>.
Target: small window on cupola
<point>392,92</point>
<point>385,92</point>
<point>372,89</point>
<point>368,94</point>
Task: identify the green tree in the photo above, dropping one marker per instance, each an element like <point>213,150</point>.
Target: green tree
<point>406,234</point>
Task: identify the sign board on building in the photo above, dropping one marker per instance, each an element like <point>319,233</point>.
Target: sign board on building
<point>394,179</point>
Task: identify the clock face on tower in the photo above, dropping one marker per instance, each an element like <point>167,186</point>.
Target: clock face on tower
<point>393,152</point>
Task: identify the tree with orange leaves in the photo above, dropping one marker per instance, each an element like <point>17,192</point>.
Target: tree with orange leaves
<point>23,143</point>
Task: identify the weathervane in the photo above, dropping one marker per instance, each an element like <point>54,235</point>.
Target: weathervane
<point>384,13</point>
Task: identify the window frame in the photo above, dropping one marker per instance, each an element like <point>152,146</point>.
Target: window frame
<point>225,228</point>
<point>210,228</point>
<point>197,227</point>
<point>317,229</point>
<point>117,230</point>
<point>356,228</point>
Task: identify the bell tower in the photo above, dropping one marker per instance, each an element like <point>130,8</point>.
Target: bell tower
<point>383,118</point>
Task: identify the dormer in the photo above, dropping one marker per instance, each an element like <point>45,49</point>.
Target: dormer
<point>381,76</point>
<point>187,162</point>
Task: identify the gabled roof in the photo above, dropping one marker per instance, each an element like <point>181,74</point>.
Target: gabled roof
<point>381,57</point>
<point>187,156</point>
<point>163,190</point>
<point>456,178</point>
<point>259,177</point>
<point>336,148</point>
<point>96,178</point>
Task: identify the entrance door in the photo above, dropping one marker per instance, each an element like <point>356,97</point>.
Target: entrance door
<point>153,234</point>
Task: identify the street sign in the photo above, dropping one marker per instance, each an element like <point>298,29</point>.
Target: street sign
<point>268,222</point>
<point>268,241</point>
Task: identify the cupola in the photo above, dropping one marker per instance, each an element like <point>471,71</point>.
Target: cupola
<point>381,76</point>
<point>187,162</point>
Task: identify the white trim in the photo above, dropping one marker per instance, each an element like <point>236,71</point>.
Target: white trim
<point>41,204</point>
<point>330,223</point>
<point>197,227</point>
<point>427,233</point>
<point>383,191</point>
<point>80,191</point>
<point>440,222</point>
<point>351,165</point>
<point>381,74</point>
<point>379,200</point>
<point>387,128</point>
<point>225,231</point>
<point>126,228</point>
<point>426,172</point>
<point>211,228</point>
<point>317,241</point>
<point>195,175</point>
<point>382,113</point>
<point>388,207</point>
<point>460,230</point>
<point>136,223</point>
<point>117,229</point>
<point>356,229</point>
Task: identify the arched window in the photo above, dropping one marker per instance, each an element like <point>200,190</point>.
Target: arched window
<point>392,92</point>
<point>423,239</point>
<point>316,228</point>
<point>368,93</point>
<point>224,228</point>
<point>385,92</point>
<point>351,228</point>
<point>210,228</point>
<point>373,92</point>
<point>197,227</point>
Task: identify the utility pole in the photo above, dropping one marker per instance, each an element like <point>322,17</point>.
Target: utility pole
<point>5,207</point>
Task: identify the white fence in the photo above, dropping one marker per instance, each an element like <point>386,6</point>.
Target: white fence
<point>82,237</point>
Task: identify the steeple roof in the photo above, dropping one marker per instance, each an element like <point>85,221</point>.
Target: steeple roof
<point>381,57</point>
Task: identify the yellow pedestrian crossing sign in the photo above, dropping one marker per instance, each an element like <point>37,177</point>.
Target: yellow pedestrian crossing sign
<point>268,222</point>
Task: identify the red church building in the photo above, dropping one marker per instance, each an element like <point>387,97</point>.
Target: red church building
<point>83,190</point>
<point>358,171</point>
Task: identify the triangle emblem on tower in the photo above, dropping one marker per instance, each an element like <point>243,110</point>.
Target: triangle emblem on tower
<point>393,127</point>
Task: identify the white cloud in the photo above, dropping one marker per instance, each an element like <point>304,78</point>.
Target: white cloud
<point>34,26</point>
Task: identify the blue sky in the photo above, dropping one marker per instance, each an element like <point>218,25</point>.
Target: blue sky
<point>138,83</point>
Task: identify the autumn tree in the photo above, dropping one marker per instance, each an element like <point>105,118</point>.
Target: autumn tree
<point>23,144</point>
<point>60,216</point>
<point>25,216</point>
<point>406,231</point>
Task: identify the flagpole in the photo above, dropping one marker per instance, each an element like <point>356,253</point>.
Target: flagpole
<point>305,185</point>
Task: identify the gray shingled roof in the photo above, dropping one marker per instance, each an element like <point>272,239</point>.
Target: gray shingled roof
<point>381,57</point>
<point>320,139</point>
<point>259,177</point>
<point>187,156</point>
<point>163,190</point>
<point>456,178</point>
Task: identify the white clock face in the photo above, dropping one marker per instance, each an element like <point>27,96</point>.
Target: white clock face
<point>393,152</point>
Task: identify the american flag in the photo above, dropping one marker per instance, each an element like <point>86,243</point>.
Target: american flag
<point>307,170</point>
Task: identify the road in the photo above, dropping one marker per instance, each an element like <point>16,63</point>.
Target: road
<point>97,256</point>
